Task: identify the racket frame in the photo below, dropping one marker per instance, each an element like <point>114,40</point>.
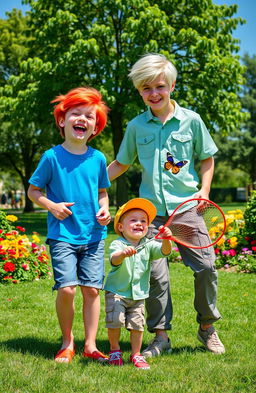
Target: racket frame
<point>171,218</point>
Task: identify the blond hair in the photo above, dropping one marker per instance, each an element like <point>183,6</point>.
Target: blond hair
<point>149,67</point>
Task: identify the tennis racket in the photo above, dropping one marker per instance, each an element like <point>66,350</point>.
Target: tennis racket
<point>196,223</point>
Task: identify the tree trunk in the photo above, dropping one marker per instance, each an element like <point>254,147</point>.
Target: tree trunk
<point>115,117</point>
<point>29,207</point>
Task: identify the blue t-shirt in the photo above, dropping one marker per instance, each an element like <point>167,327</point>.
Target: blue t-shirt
<point>68,177</point>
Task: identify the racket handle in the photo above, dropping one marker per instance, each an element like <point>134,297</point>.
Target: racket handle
<point>143,244</point>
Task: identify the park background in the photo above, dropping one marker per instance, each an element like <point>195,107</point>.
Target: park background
<point>62,44</point>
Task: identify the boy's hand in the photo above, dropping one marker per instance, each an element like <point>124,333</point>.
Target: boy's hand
<point>103,216</point>
<point>128,251</point>
<point>60,210</point>
<point>165,231</point>
<point>119,256</point>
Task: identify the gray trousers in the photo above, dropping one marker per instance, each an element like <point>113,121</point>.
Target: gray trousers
<point>202,262</point>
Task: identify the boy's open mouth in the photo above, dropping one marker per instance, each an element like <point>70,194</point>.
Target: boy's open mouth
<point>80,128</point>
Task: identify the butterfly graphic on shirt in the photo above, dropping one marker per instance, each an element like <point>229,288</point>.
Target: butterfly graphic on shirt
<point>170,164</point>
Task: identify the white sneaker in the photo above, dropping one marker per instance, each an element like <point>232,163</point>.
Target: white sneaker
<point>210,339</point>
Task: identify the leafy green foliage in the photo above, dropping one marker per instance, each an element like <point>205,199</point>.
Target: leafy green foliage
<point>95,43</point>
<point>250,216</point>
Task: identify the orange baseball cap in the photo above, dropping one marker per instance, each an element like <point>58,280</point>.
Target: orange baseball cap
<point>135,203</point>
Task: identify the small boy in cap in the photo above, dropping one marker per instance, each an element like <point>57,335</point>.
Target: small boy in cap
<point>127,284</point>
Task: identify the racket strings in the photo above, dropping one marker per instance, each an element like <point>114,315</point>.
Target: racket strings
<point>207,219</point>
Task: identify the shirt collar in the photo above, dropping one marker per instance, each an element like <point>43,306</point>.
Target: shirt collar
<point>177,112</point>
<point>125,241</point>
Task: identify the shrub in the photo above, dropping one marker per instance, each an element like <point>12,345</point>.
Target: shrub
<point>250,216</point>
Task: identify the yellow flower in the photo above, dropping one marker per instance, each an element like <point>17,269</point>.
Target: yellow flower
<point>233,241</point>
<point>36,239</point>
<point>221,242</point>
<point>11,218</point>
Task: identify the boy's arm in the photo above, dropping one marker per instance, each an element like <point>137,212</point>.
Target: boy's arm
<point>59,210</point>
<point>166,243</point>
<point>103,215</point>
<point>116,169</point>
<point>118,256</point>
<point>207,169</point>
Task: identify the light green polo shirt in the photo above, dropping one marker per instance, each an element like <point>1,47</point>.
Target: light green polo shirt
<point>183,138</point>
<point>130,279</point>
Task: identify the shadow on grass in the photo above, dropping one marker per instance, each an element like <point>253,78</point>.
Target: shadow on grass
<point>43,348</point>
<point>187,349</point>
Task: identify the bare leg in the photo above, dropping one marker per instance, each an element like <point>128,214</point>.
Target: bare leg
<point>136,341</point>
<point>65,312</point>
<point>114,336</point>
<point>91,313</point>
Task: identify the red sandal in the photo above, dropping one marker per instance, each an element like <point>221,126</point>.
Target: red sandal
<point>65,353</point>
<point>96,355</point>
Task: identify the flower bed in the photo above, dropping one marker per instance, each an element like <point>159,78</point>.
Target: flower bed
<point>236,250</point>
<point>20,258</point>
<point>236,247</point>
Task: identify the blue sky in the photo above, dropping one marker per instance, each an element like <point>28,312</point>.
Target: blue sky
<point>245,33</point>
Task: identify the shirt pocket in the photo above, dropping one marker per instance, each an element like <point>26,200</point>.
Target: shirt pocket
<point>181,145</point>
<point>146,146</point>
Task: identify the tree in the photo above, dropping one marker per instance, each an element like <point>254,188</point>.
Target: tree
<point>22,139</point>
<point>238,150</point>
<point>96,42</point>
<point>248,134</point>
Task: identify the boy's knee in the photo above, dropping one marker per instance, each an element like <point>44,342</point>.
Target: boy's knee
<point>89,291</point>
<point>66,293</point>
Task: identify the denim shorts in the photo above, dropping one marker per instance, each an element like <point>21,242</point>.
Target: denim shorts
<point>77,264</point>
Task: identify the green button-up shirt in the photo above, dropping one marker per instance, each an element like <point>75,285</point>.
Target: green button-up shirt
<point>167,153</point>
<point>130,279</point>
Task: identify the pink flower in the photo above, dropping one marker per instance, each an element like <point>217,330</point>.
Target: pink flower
<point>25,266</point>
<point>232,252</point>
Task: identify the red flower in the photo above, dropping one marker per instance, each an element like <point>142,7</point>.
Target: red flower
<point>247,238</point>
<point>253,242</point>
<point>254,248</point>
<point>21,229</point>
<point>217,251</point>
<point>9,267</point>
<point>1,230</point>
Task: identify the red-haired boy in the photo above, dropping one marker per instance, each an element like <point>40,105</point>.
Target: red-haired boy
<point>75,179</point>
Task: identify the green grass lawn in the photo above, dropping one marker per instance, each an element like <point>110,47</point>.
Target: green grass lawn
<point>30,336</point>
